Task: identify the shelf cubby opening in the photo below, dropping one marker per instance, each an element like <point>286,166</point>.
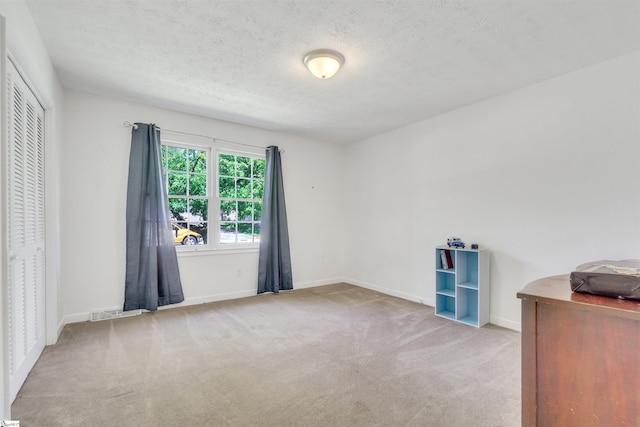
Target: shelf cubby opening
<point>467,306</point>
<point>467,267</point>
<point>446,306</point>
<point>445,282</point>
<point>452,255</point>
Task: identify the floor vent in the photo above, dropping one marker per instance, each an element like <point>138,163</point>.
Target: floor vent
<point>113,314</point>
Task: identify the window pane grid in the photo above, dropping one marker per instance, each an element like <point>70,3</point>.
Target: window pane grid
<point>240,184</point>
<point>185,176</point>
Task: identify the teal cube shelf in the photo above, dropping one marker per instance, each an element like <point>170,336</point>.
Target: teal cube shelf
<point>462,289</point>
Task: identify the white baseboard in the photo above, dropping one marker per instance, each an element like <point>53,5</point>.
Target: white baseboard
<point>505,323</point>
<point>495,320</point>
<point>313,284</point>
<point>76,318</point>
<point>211,298</point>
<point>85,317</point>
<point>419,299</point>
<point>61,324</point>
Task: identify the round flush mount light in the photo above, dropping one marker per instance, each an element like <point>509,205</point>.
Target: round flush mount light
<point>323,63</point>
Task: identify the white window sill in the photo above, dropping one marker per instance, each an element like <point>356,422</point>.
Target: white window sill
<point>218,251</point>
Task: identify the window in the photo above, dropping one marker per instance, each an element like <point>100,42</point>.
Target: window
<point>185,174</point>
<point>240,189</point>
<point>214,192</point>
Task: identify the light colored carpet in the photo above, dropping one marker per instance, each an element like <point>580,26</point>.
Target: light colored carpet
<point>335,355</point>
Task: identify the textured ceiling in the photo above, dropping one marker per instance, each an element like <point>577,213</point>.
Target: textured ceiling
<point>406,60</point>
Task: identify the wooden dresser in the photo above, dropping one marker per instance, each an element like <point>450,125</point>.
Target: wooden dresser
<point>580,357</point>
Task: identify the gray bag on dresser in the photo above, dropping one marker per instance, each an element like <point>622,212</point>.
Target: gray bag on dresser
<point>615,279</point>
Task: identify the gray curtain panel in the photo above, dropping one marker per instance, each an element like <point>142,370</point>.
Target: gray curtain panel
<point>274,266</point>
<point>152,276</point>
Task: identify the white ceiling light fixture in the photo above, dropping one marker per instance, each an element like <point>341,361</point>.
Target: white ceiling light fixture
<point>323,63</point>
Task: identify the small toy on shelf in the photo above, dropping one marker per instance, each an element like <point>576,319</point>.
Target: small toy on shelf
<point>455,242</point>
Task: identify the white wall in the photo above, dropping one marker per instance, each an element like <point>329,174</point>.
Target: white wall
<point>545,177</point>
<point>26,49</point>
<point>94,180</point>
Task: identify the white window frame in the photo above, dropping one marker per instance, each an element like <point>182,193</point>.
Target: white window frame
<point>214,148</point>
<point>235,152</point>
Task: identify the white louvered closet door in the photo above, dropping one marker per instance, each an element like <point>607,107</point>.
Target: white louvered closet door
<point>25,229</point>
